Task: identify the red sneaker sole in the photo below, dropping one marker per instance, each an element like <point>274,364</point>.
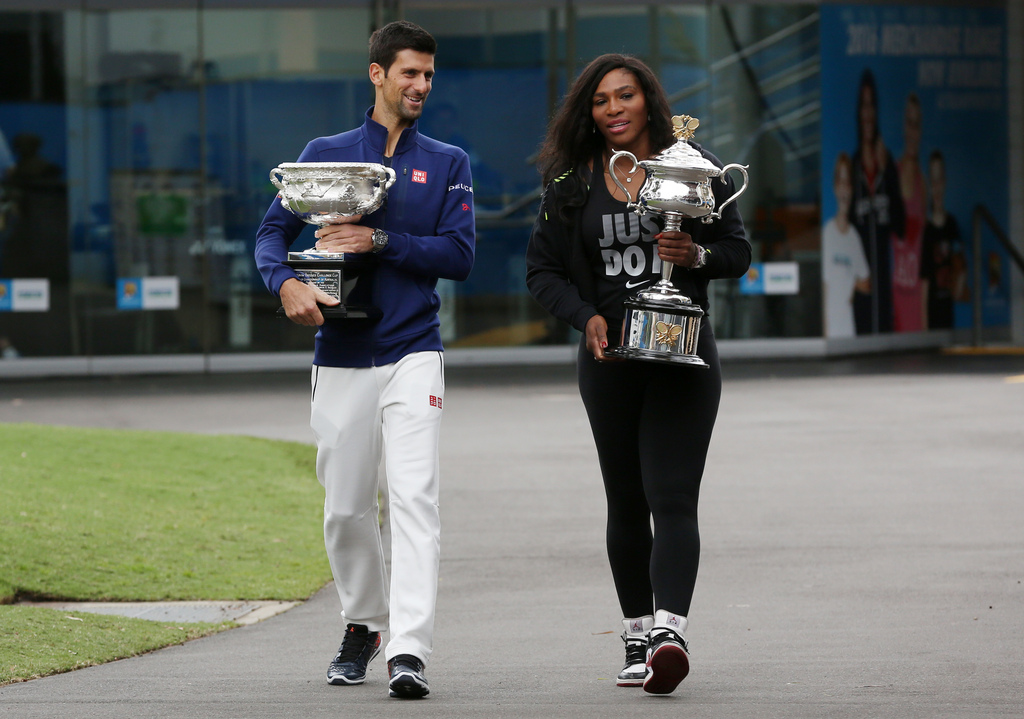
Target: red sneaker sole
<point>669,665</point>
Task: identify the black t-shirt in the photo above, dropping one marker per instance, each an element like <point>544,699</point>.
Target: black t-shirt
<point>938,246</point>
<point>621,249</point>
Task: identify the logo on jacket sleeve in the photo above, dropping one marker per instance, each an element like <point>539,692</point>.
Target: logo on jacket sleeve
<point>419,176</point>
<point>435,401</point>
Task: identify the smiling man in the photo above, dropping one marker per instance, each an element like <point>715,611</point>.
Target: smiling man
<point>378,387</point>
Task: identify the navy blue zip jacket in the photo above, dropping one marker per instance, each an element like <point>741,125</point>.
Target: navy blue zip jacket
<point>428,215</point>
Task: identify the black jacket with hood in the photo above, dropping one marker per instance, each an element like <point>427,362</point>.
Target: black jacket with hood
<point>560,277</point>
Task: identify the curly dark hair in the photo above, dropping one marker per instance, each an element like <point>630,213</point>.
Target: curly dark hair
<point>386,42</point>
<point>571,140</point>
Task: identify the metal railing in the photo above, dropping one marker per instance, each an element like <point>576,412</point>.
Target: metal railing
<point>981,215</point>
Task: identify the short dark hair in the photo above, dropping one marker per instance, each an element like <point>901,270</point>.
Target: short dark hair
<point>386,42</point>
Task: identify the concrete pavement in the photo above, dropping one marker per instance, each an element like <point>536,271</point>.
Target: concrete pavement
<point>863,553</point>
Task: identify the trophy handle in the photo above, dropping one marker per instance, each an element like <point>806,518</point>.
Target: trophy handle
<point>273,178</point>
<point>611,171</point>
<point>391,178</point>
<point>280,187</point>
<point>743,170</point>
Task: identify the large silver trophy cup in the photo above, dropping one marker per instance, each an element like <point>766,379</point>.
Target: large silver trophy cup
<point>323,193</point>
<point>661,324</point>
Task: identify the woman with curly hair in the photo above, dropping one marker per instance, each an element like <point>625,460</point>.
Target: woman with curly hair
<point>651,422</point>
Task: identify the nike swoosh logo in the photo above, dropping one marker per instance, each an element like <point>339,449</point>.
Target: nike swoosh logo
<point>631,285</point>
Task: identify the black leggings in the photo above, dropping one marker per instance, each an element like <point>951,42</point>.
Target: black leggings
<point>652,424</point>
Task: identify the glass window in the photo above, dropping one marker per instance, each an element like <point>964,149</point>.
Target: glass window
<point>764,111</point>
<point>35,317</point>
<point>136,150</point>
<point>495,85</point>
<point>137,184</point>
<point>274,79</point>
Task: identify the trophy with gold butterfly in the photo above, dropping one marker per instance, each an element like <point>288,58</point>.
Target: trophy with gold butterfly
<point>661,323</point>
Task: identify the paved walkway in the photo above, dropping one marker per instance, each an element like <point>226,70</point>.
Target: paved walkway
<point>863,553</point>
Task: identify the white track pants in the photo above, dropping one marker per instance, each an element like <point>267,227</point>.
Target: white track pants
<point>357,413</point>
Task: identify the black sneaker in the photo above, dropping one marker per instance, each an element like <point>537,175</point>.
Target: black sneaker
<point>667,661</point>
<point>357,649</point>
<point>407,680</point>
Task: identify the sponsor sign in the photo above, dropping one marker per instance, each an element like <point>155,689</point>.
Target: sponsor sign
<point>25,295</point>
<point>771,278</point>
<point>148,293</point>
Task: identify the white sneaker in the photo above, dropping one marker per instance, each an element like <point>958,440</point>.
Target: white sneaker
<point>635,636</point>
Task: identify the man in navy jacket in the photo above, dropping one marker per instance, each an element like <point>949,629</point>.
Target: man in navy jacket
<point>378,387</point>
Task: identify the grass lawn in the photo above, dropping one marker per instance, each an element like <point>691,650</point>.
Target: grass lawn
<point>109,515</point>
<point>36,642</point>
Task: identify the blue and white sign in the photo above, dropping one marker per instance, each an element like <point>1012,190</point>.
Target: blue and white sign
<point>771,278</point>
<point>148,293</point>
<point>25,295</point>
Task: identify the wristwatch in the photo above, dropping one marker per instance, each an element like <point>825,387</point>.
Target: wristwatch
<point>380,240</point>
<point>700,257</point>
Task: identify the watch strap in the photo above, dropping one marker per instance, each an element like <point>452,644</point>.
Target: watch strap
<point>700,256</point>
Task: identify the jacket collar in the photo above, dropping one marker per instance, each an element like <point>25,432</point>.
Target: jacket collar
<point>377,135</point>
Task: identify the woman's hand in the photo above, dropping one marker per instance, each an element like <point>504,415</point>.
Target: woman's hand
<point>676,247</point>
<point>597,337</point>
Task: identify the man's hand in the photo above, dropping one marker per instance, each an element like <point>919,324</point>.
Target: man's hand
<point>676,247</point>
<point>300,302</point>
<point>347,236</point>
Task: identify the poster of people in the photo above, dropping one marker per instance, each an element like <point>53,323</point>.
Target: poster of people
<point>914,145</point>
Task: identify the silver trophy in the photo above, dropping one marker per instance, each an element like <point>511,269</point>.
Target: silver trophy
<point>323,193</point>
<point>661,323</point>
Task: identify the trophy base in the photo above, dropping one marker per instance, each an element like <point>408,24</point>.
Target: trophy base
<point>634,353</point>
<point>337,275</point>
<point>664,329</point>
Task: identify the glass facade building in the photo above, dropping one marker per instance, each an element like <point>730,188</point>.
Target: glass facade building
<point>137,138</point>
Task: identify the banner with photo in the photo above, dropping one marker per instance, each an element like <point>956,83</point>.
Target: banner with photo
<point>915,147</point>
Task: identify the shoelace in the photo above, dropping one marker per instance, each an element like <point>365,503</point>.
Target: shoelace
<point>352,646</point>
<point>408,664</point>
<point>668,635</point>
<point>636,650</point>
